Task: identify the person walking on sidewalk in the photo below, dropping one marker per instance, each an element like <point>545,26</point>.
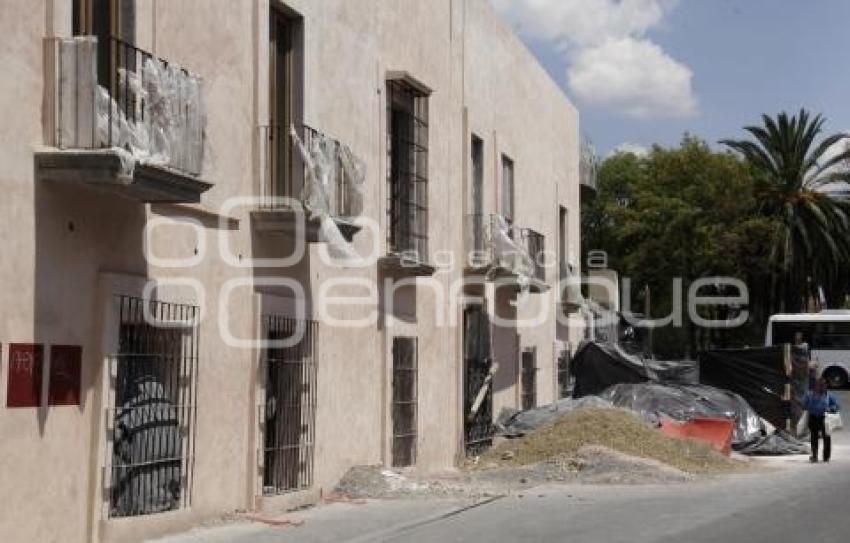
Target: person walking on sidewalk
<point>818,403</point>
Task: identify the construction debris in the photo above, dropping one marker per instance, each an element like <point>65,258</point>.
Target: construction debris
<point>777,443</point>
<point>758,388</point>
<point>685,402</point>
<point>597,366</point>
<point>771,379</point>
<point>513,423</point>
<point>378,482</point>
<point>587,446</point>
<point>276,522</point>
<point>618,429</point>
<point>601,465</point>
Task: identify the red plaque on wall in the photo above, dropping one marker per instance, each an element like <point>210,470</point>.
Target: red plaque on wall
<point>24,385</point>
<point>64,384</point>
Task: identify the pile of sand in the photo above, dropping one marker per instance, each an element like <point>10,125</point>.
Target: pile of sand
<point>616,429</point>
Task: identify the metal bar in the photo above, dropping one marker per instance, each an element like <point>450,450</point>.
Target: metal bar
<point>153,411</point>
<point>288,425</point>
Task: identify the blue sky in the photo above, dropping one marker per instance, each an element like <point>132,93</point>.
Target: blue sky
<point>646,71</point>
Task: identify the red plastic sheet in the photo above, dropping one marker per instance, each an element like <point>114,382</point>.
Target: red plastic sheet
<point>717,432</point>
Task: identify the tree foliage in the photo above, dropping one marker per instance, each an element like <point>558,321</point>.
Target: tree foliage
<point>686,213</point>
<point>760,214</point>
<point>792,169</point>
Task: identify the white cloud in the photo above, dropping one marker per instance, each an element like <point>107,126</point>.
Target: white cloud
<point>634,77</point>
<point>611,62</point>
<point>584,22</point>
<point>629,147</point>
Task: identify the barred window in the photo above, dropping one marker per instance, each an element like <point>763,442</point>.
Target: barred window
<point>407,148</point>
<point>288,413</point>
<point>404,401</point>
<point>564,383</point>
<point>507,192</point>
<point>529,378</point>
<point>477,385</point>
<point>151,413</point>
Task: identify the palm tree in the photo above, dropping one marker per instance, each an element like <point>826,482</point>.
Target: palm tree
<point>812,241</point>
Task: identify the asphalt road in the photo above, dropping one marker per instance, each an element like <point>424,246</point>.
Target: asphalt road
<point>787,501</point>
<point>792,502</point>
<point>804,506</point>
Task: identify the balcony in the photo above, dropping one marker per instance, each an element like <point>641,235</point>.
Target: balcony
<point>134,128</point>
<point>588,166</point>
<point>504,252</point>
<point>308,183</point>
<point>408,245</point>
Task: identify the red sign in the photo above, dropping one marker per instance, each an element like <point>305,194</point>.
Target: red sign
<point>25,362</point>
<point>64,384</point>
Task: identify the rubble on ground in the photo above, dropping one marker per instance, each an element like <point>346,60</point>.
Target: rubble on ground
<point>685,402</point>
<point>602,465</point>
<point>747,385</point>
<point>618,429</point>
<point>513,423</point>
<point>588,446</point>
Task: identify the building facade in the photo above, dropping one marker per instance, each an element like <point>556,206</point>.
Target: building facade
<point>251,244</point>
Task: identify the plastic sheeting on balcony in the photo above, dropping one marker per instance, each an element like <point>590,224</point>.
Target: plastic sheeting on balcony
<point>334,179</point>
<point>492,245</point>
<point>152,113</point>
<point>508,254</point>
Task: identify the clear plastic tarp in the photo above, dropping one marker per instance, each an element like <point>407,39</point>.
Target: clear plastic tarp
<point>508,254</point>
<point>153,113</point>
<point>334,179</point>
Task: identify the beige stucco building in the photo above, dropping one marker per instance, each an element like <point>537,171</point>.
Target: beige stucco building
<point>150,253</point>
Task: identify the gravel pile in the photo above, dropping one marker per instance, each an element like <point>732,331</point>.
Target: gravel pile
<point>588,446</point>
<point>616,429</point>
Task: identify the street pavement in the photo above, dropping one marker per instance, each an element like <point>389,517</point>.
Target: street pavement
<point>785,500</point>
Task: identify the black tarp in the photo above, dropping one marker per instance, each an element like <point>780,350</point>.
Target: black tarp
<point>684,402</point>
<point>597,366</point>
<point>759,375</point>
<point>777,444</point>
<point>513,423</point>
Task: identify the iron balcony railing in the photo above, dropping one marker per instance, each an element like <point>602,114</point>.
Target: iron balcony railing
<point>285,175</point>
<point>489,239</point>
<point>118,95</point>
<point>492,241</point>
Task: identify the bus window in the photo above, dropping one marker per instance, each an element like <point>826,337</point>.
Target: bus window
<point>831,336</point>
<point>783,332</point>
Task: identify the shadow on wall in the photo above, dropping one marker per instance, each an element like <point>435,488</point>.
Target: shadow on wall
<point>505,341</point>
<point>402,300</point>
<point>265,245</point>
<point>79,233</point>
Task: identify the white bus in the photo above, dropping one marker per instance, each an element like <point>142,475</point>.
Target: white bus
<point>828,336</point>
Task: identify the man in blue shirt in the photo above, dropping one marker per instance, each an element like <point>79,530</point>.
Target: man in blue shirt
<point>818,403</point>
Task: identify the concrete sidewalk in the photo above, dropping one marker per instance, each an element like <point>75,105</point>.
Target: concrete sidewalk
<point>366,520</point>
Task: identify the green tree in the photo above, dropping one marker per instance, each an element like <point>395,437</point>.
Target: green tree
<point>686,213</point>
<point>791,168</point>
